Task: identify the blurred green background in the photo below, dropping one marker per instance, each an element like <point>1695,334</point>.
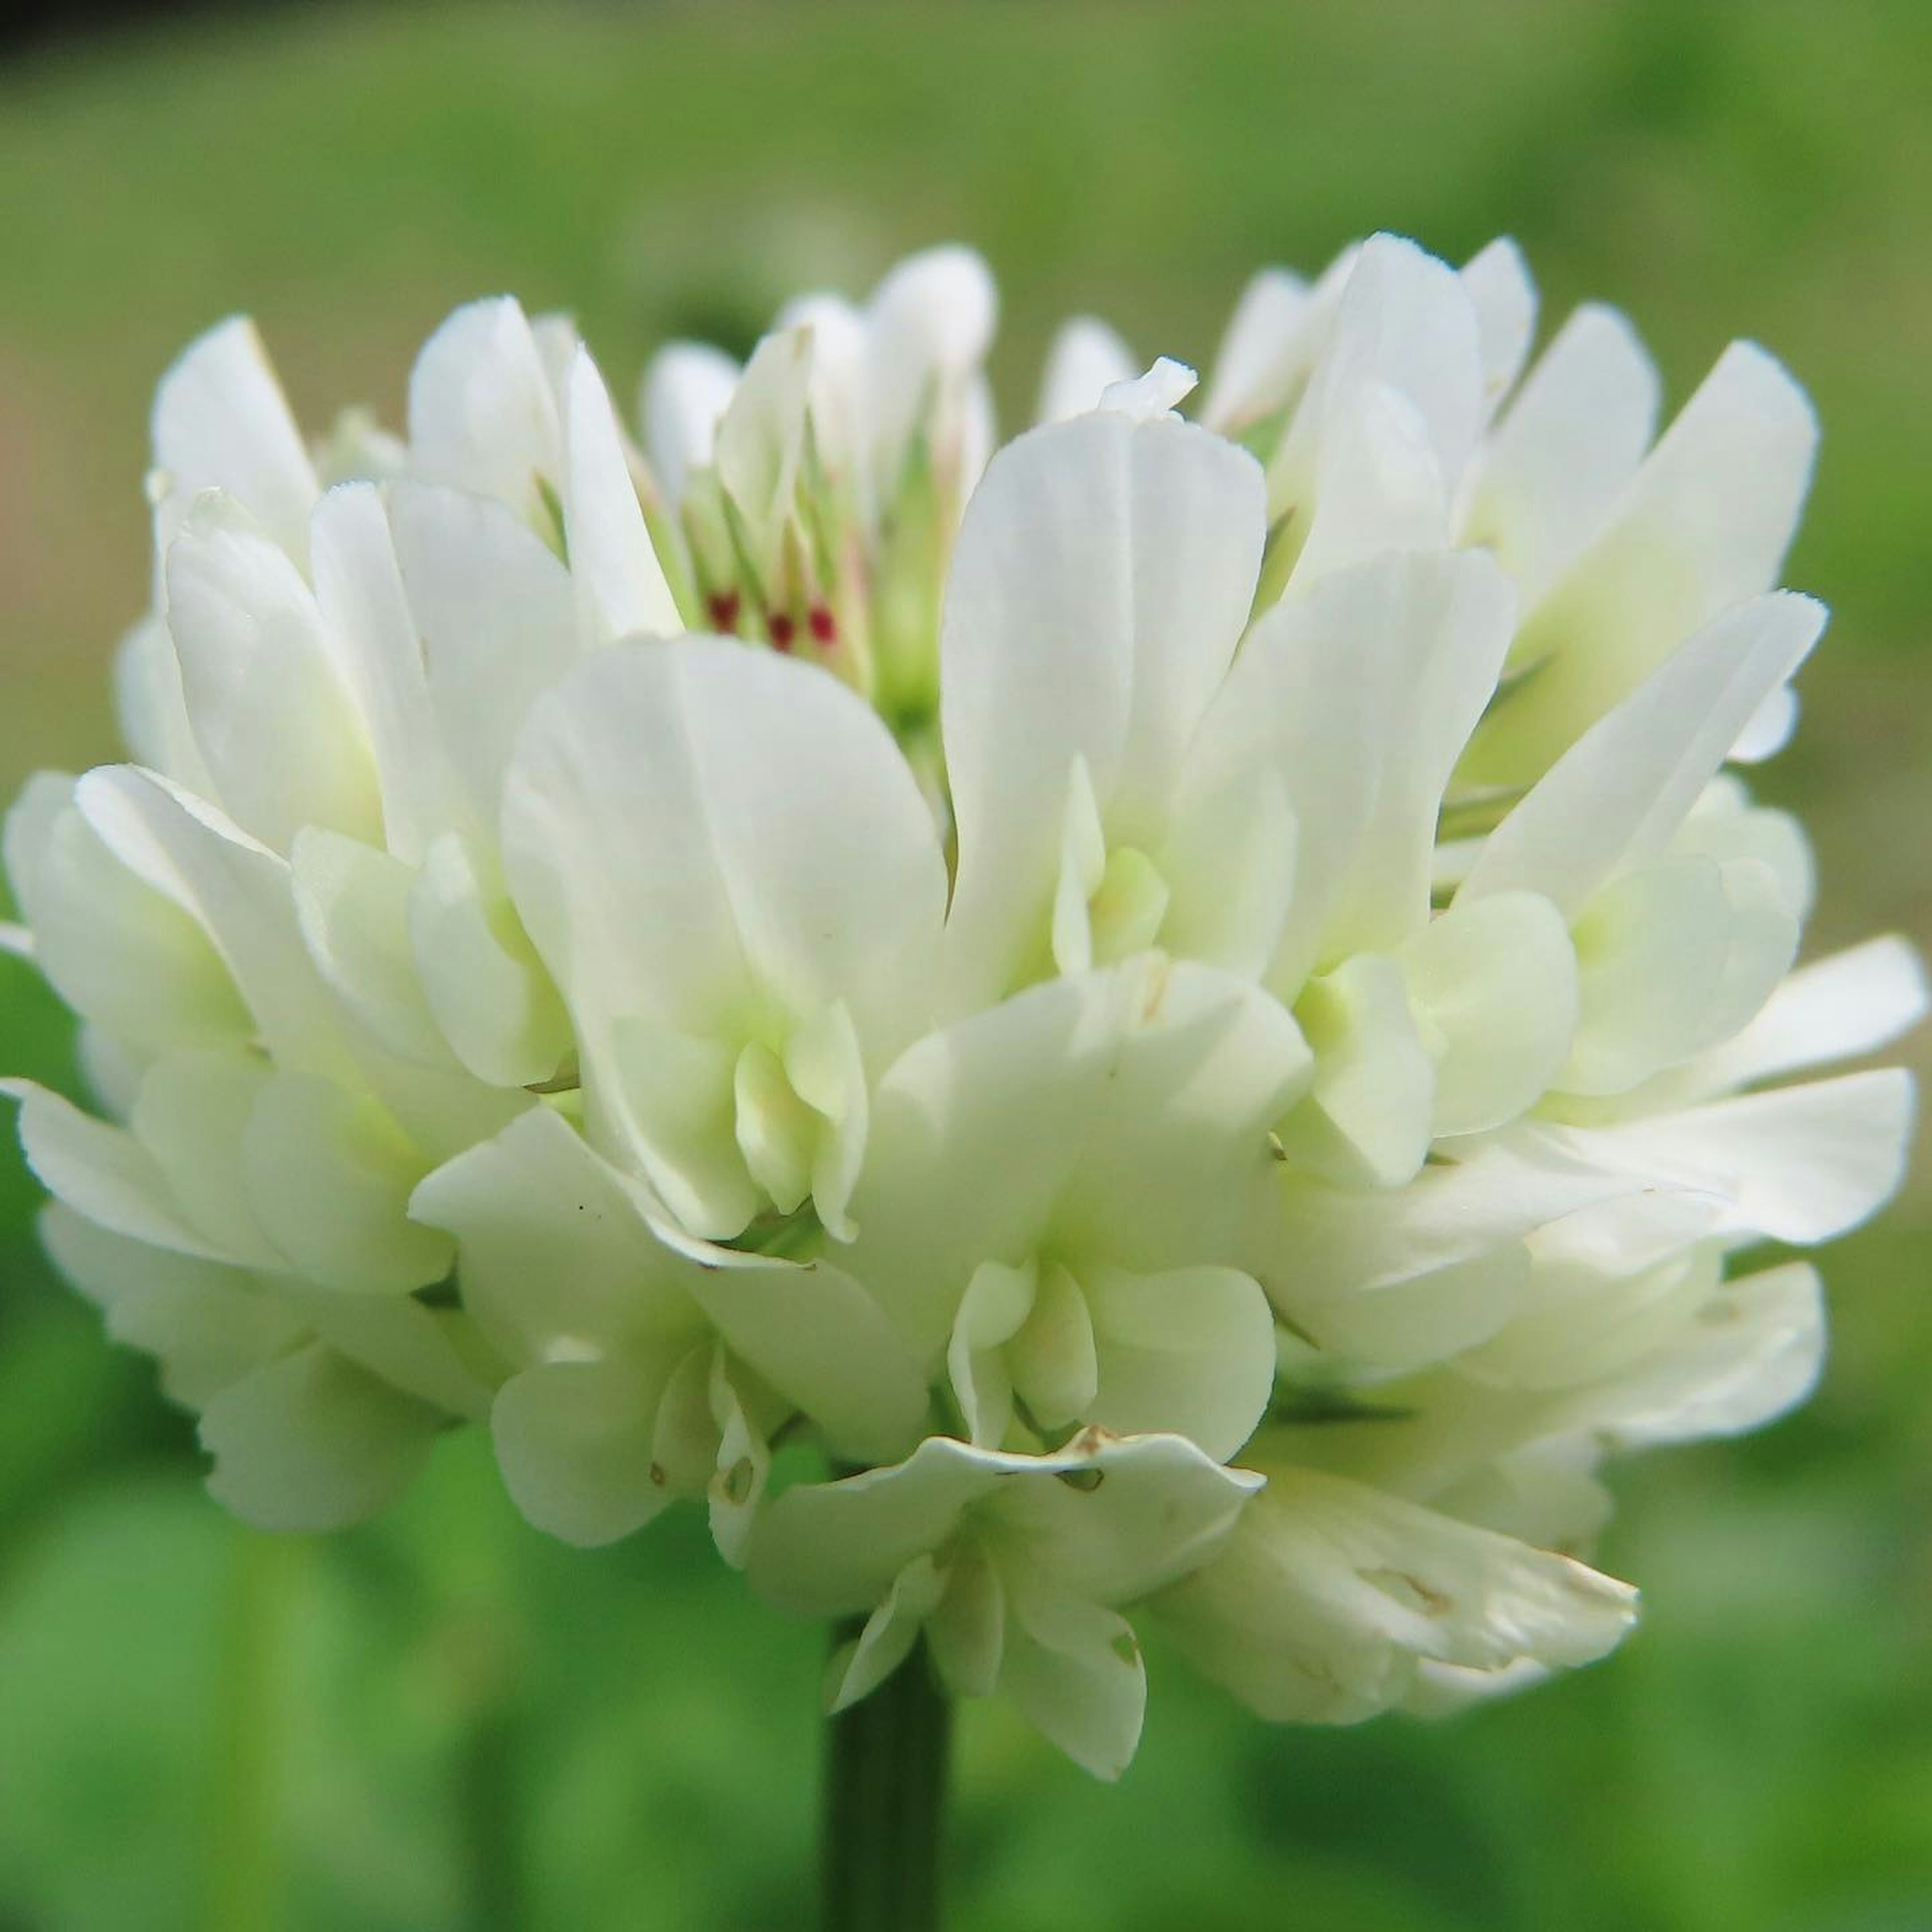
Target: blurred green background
<point>446,1722</point>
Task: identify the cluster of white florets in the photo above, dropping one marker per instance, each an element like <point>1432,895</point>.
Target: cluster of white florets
<point>1184,1007</point>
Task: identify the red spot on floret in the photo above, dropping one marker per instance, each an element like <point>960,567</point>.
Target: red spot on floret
<point>820,623</point>
<point>723,606</point>
<point>783,629</point>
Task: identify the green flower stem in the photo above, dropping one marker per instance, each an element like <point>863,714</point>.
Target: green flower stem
<point>885,1805</point>
<point>243,1862</point>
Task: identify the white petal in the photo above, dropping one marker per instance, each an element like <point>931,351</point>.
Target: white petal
<point>312,1442</point>
<point>433,1353</point>
<point>1365,1120</point>
<point>1703,525</point>
<point>761,439</point>
<point>1102,579</point>
<point>150,707</point>
<point>1406,322</point>
<point>1673,958</point>
<point>834,1549</point>
<point>817,1337</point>
<point>329,1175</point>
<point>270,712</point>
<point>930,322</point>
<point>1117,1111</point>
<point>1564,450</point>
<point>207,1324</point>
<point>1624,788</point>
<point>220,422</point>
<point>1379,485</point>
<point>556,1262</point>
<point>190,1113</point>
<point>353,902</point>
<point>482,413</point>
<point>1767,730</point>
<point>1496,279</point>
<point>119,952</point>
<point>498,619</point>
<point>358,588</point>
<point>1074,1670</point>
<point>1837,1008</point>
<point>1087,357</point>
<point>104,1175</point>
<point>491,997</point>
<point>1797,1164</point>
<point>574,1442</point>
<point>236,890</point>
<point>1329,1593</point>
<point>1396,658</point>
<point>890,1632</point>
<point>1254,369</point>
<point>995,1306</point>
<point>1754,1351</point>
<point>620,584</point>
<point>1190,1352</point>
<point>1160,392</point>
<point>1111,1519</point>
<point>661,847</point>
<point>966,1632</point>
<point>686,389</point>
<point>1494,984</point>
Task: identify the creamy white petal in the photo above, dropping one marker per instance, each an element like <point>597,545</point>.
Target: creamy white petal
<point>220,422</point>
<point>207,1324</point>
<point>1256,368</point>
<point>1360,695</point>
<point>311,1442</point>
<point>191,1112</point>
<point>329,1175</point>
<point>1189,1352</point>
<point>1102,580</point>
<point>1116,1111</point>
<point>235,888</point>
<point>482,411</point>
<point>1404,323</point>
<point>373,633</point>
<point>1620,793</point>
<point>1493,985</point>
<point>498,618</point>
<point>1086,357</point>
<point>817,1337</point>
<point>1496,279</point>
<point>1329,1593</point>
<point>122,954</point>
<point>1702,525</point>
<point>685,391</point>
<point>575,1443</point>
<point>691,825</point>
<point>104,1174</point>
<point>620,584</point>
<point>353,903</point>
<point>271,716</point>
<point>491,998</point>
<point>1074,1671</point>
<point>555,1261</point>
<point>1673,958</point>
<point>1366,1118</point>
<point>1797,1164</point>
<point>1837,1008</point>
<point>1564,449</point>
<point>150,707</point>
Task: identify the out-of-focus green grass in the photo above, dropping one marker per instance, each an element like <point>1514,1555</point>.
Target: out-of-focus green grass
<point>444,1721</point>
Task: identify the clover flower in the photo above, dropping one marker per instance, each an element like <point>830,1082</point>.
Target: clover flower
<point>1193,1012</point>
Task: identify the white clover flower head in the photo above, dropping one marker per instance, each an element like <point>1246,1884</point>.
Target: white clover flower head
<point>1197,1013</point>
